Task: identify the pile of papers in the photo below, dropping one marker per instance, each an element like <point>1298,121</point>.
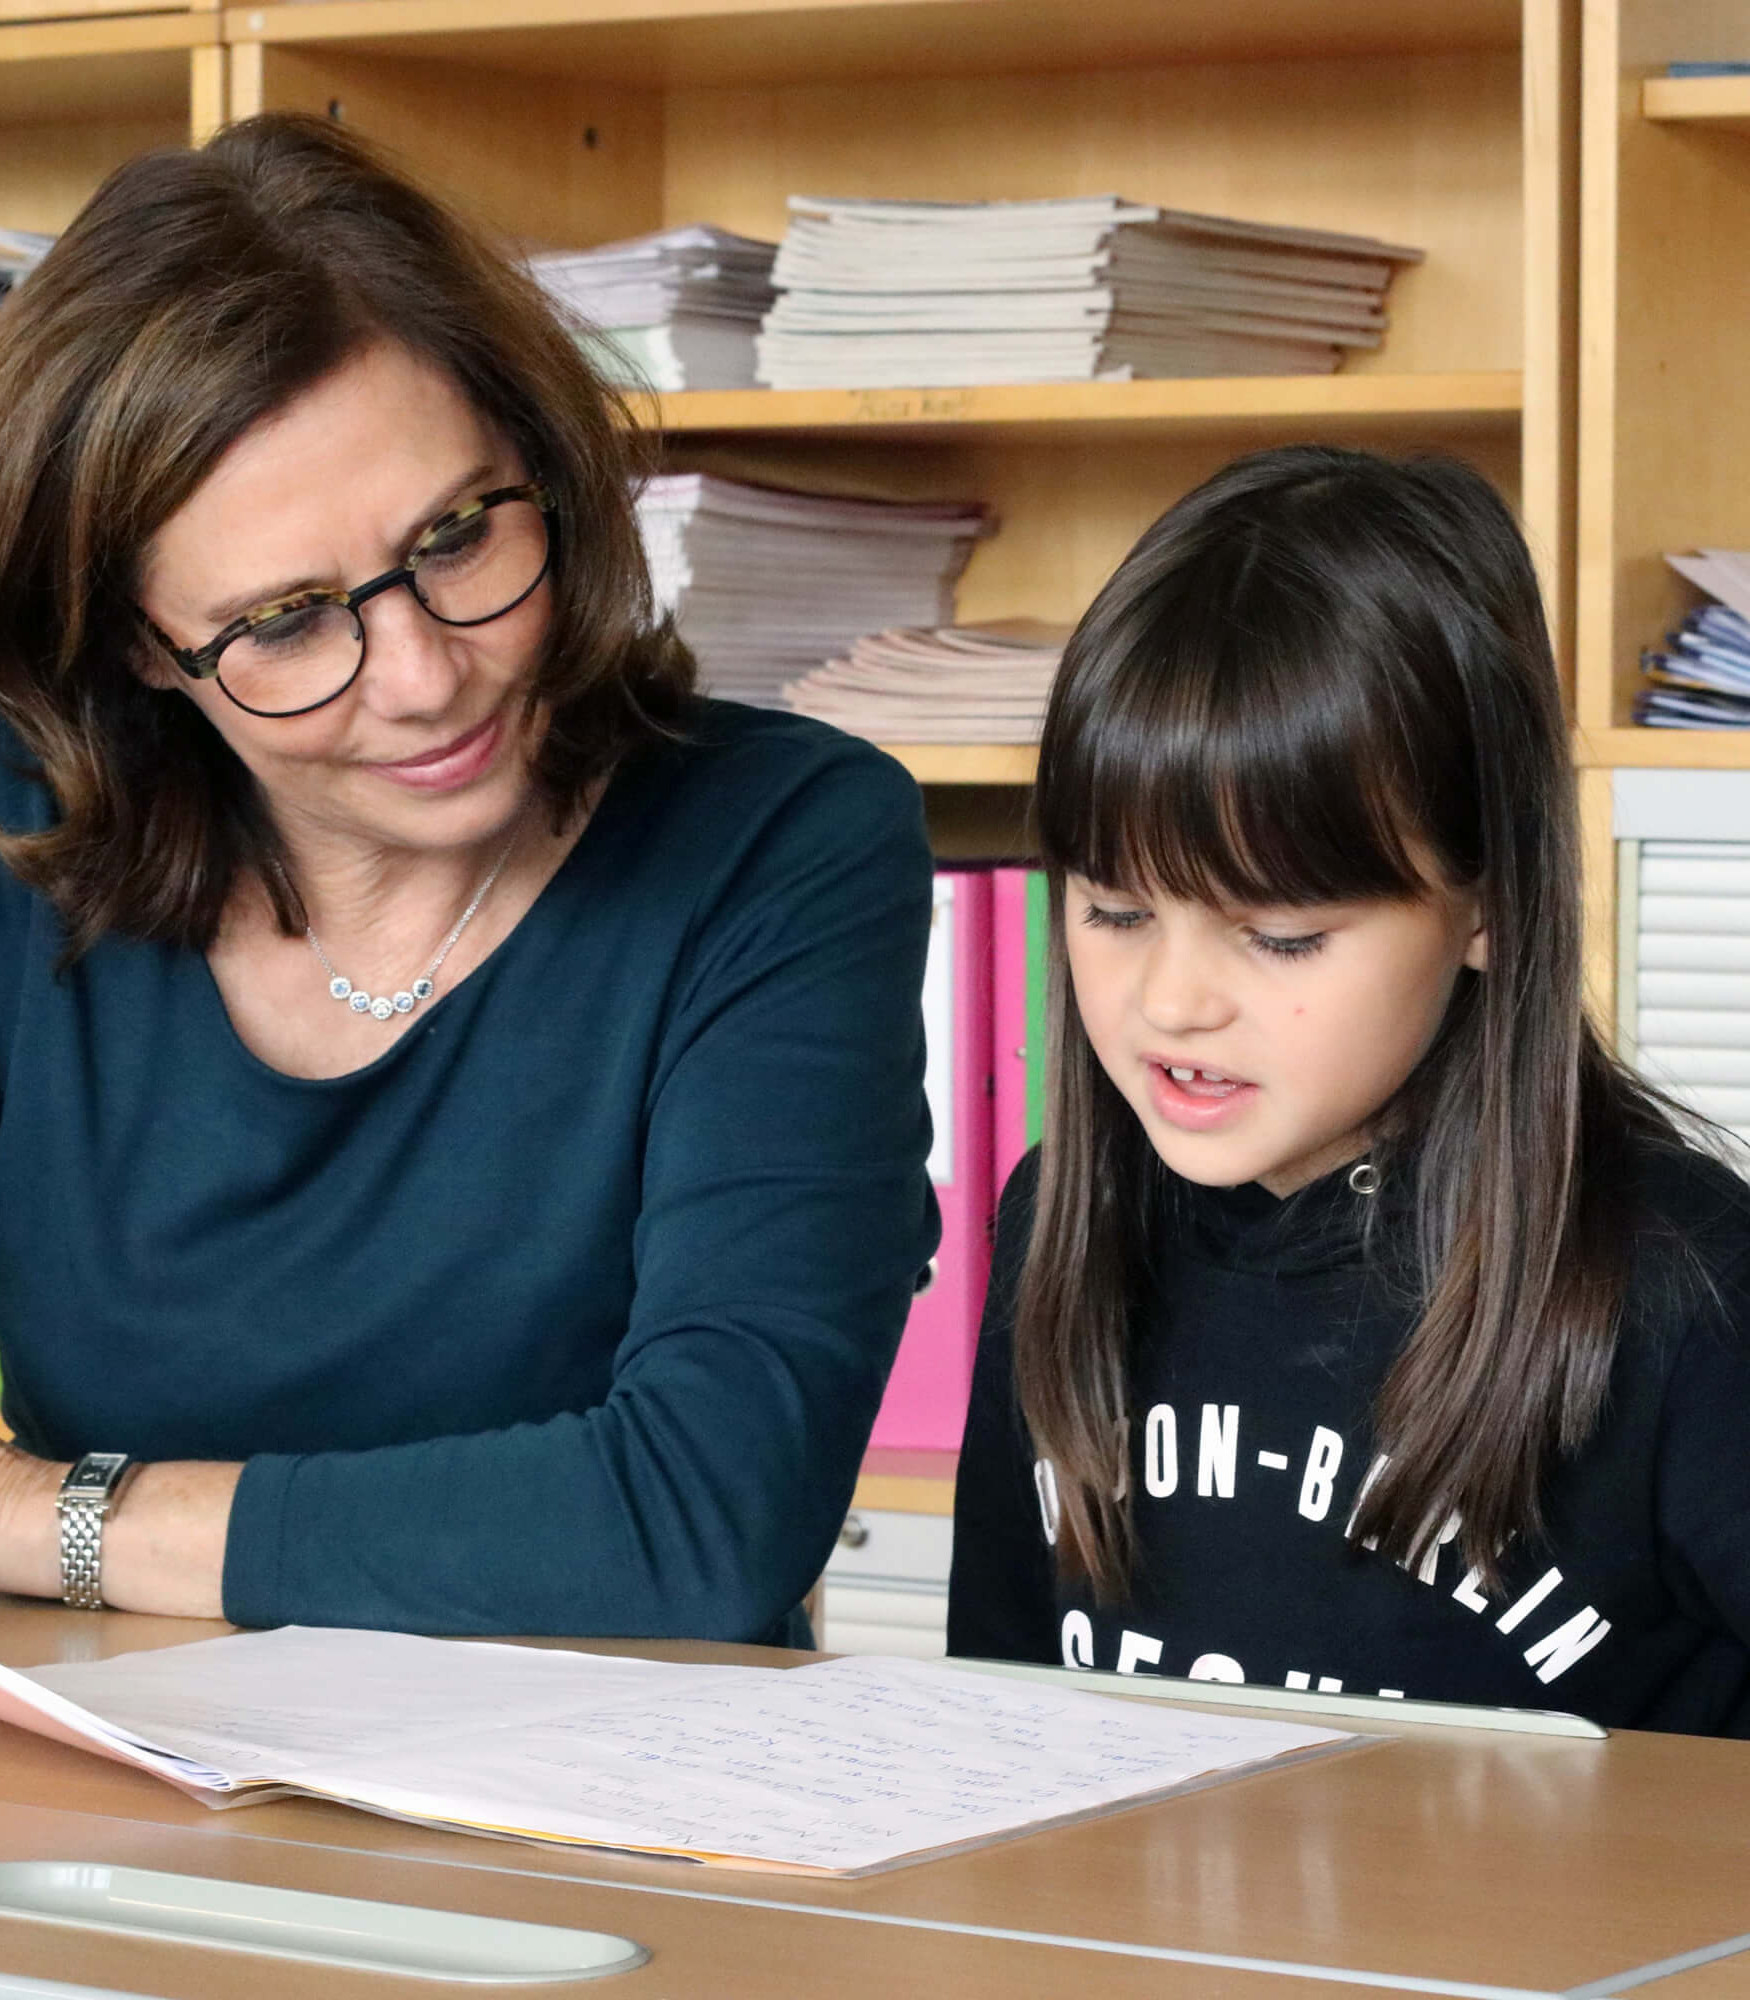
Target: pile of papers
<point>1701,679</point>
<point>765,584</point>
<point>878,294</point>
<point>832,1769</point>
<point>21,250</point>
<point>953,684</point>
<point>676,310</point>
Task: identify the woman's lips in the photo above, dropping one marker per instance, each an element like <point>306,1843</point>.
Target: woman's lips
<point>452,765</point>
<point>1197,1101</point>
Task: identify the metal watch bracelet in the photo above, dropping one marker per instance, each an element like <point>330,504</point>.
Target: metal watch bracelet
<point>86,1497</point>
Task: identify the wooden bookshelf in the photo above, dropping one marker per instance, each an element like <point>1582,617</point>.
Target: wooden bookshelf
<point>1664,419</point>
<point>1473,404</point>
<point>577,121</point>
<point>1721,103</point>
<point>77,97</point>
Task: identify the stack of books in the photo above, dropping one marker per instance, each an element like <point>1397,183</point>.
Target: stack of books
<point>766,584</point>
<point>881,294</point>
<point>952,684</point>
<point>676,310</point>
<point>1701,677</point>
<point>21,250</point>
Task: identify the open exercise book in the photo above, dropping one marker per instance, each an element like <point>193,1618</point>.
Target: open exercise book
<point>838,1768</point>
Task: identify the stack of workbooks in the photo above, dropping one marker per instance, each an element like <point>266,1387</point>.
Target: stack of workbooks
<point>932,294</point>
<point>676,310</point>
<point>953,684</point>
<point>765,584</point>
<point>1700,679</point>
<point>21,250</point>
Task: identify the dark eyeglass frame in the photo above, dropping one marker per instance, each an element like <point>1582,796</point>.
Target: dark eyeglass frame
<point>201,663</point>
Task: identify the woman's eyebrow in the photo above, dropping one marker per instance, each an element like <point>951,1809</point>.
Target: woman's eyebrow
<point>221,615</point>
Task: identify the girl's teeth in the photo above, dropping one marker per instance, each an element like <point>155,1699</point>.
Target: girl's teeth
<point>1180,1075</point>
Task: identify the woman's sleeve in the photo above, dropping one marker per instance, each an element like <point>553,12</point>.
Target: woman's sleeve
<point>785,1216</point>
<point>1001,1599</point>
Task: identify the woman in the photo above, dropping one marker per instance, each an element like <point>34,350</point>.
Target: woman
<point>461,1126</point>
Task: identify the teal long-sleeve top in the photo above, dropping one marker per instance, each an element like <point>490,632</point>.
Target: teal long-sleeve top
<point>571,1312</point>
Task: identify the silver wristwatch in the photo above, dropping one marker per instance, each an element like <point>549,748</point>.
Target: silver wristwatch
<point>87,1494</point>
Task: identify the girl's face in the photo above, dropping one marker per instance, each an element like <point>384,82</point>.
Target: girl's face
<point>429,748</point>
<point>1258,1044</point>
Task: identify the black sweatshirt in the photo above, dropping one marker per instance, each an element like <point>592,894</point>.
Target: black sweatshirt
<point>1256,1374</point>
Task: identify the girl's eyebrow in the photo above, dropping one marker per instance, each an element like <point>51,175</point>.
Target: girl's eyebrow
<point>221,615</point>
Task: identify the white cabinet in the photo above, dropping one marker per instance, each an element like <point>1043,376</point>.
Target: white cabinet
<point>887,1585</point>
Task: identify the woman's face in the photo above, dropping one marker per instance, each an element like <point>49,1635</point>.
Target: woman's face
<point>429,748</point>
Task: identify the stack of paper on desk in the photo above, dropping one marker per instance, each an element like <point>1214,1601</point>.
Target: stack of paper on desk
<point>837,1768</point>
<point>933,294</point>
<point>676,310</point>
<point>767,584</point>
<point>953,684</point>
<point>1701,677</point>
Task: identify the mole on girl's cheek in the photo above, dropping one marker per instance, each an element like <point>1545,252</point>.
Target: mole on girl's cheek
<point>1300,1010</point>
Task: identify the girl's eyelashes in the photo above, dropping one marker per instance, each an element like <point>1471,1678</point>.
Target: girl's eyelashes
<point>1113,919</point>
<point>1273,945</point>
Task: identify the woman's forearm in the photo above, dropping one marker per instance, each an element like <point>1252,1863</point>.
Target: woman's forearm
<point>163,1542</point>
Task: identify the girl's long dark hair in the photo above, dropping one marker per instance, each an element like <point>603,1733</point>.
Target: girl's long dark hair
<point>1316,662</point>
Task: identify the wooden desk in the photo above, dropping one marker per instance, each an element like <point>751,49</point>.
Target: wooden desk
<point>1438,1862</point>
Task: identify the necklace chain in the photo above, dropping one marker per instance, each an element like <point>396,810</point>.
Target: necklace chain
<point>385,1006</point>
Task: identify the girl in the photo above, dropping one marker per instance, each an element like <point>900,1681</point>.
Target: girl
<point>1362,1323</point>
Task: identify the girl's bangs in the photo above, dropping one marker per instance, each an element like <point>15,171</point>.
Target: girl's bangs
<point>1226,767</point>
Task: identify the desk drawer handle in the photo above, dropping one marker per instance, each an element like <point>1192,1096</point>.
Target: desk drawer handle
<point>854,1533</point>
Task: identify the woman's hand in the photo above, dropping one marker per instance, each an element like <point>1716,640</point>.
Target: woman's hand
<point>163,1542</point>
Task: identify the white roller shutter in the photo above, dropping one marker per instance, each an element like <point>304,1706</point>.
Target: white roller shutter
<point>1684,1002</point>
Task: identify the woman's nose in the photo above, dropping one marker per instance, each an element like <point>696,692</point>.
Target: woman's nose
<point>411,665</point>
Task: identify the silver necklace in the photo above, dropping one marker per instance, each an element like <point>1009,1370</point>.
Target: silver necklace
<point>385,1006</point>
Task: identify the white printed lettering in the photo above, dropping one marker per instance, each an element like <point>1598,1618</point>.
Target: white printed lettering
<point>1391,1694</point>
<point>1078,1639</point>
<point>1137,1649</point>
<point>1297,1680</point>
<point>1273,1461</point>
<point>1218,1446</point>
<point>1518,1613</point>
<point>1367,1485</point>
<point>1045,1485</point>
<point>1567,1643</point>
<point>1430,1562</point>
<point>1215,1667</point>
<point>1320,1478</point>
<point>1466,1591</point>
<point>1160,1452</point>
<point>1329,1686</point>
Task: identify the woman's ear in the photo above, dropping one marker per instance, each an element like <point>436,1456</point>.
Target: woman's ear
<point>1476,950</point>
<point>147,659</point>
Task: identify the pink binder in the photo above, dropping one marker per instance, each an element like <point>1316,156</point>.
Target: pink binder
<point>1017,1014</point>
<point>925,1404</point>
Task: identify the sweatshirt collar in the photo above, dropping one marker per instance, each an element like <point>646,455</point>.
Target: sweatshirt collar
<point>1322,1226</point>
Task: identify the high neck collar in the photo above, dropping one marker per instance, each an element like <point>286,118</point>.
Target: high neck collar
<point>1322,1226</point>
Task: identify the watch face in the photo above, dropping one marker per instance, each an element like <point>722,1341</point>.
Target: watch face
<point>97,1471</point>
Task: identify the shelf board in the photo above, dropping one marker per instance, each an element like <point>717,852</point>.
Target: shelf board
<point>1663,749</point>
<point>1719,102</point>
<point>123,67</point>
<point>966,763</point>
<point>1041,411</point>
<point>907,1482</point>
<point>656,44</point>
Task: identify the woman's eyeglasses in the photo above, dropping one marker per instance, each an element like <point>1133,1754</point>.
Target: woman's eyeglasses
<point>298,653</point>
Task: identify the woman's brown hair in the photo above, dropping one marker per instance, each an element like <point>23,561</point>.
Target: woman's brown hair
<point>197,293</point>
<point>1315,664</point>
